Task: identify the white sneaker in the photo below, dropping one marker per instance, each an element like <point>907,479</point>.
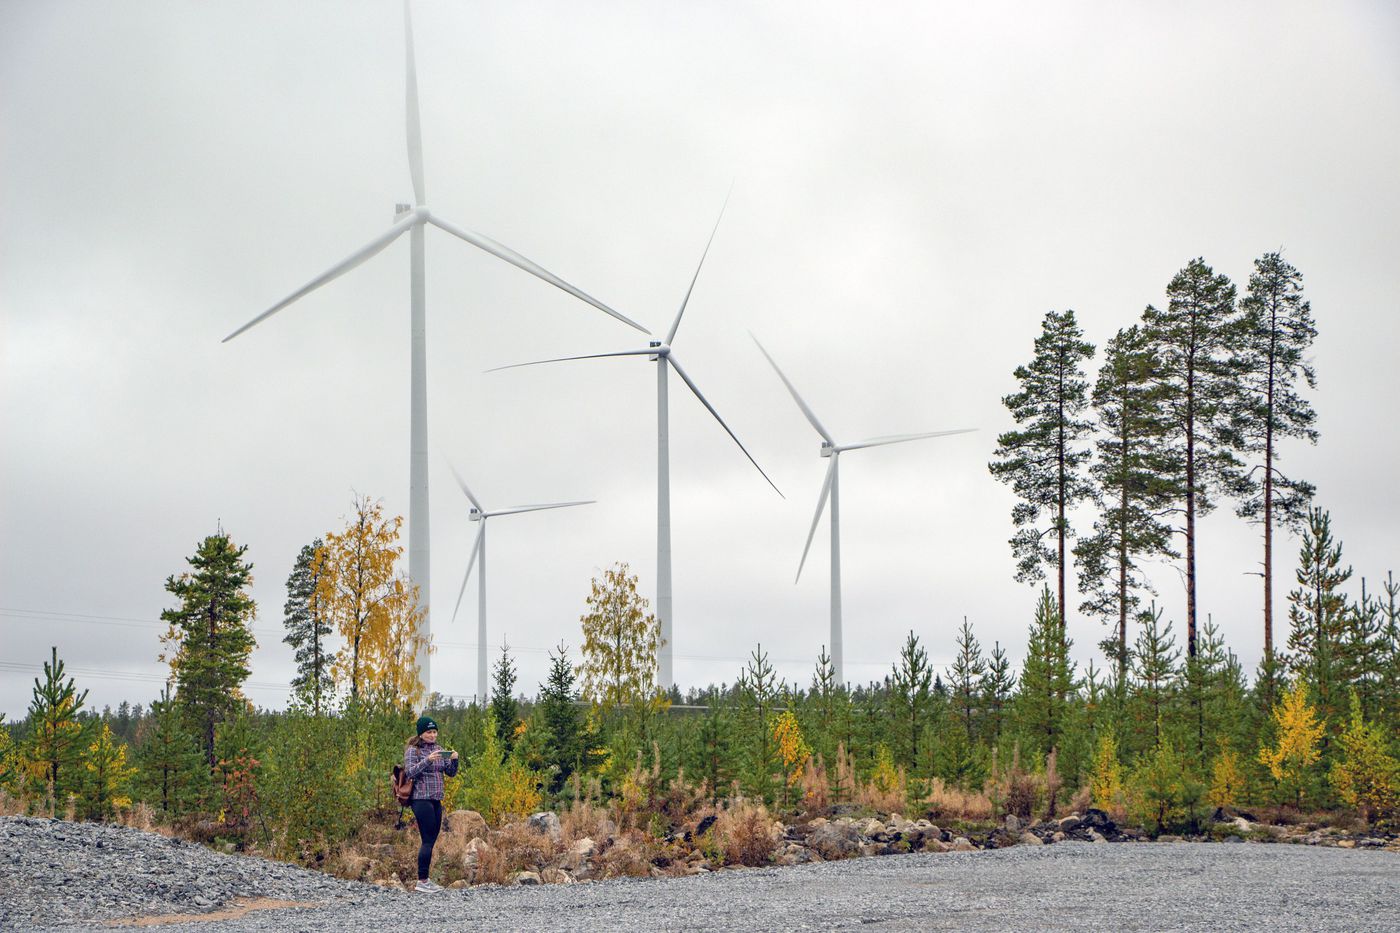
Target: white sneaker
<point>427,887</point>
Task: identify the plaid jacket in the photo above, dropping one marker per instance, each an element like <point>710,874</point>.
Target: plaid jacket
<point>427,775</point>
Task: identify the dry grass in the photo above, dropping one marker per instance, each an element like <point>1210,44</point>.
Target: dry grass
<point>946,802</point>
<point>744,833</point>
<point>630,855</point>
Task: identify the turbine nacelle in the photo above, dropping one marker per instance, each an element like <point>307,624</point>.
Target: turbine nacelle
<point>476,515</point>
<point>659,350</point>
<point>420,213</point>
<point>828,450</point>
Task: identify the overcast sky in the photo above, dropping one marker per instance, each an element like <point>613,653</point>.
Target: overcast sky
<point>914,187</point>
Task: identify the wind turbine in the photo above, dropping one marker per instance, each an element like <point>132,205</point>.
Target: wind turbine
<point>660,352</point>
<point>480,514</point>
<point>412,219</point>
<point>831,488</point>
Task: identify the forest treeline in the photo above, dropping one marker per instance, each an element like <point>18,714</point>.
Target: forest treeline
<point>1187,412</point>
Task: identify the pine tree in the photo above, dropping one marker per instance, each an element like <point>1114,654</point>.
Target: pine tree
<point>1134,472</point>
<point>170,768</point>
<point>373,606</point>
<point>1363,653</point>
<point>308,628</point>
<point>995,689</point>
<point>966,675</point>
<point>1155,675</point>
<point>1210,689</point>
<point>1318,616</point>
<point>1047,679</point>
<point>1277,332</point>
<point>757,689</point>
<point>829,708</point>
<point>911,696</point>
<point>1043,460</point>
<point>565,748</point>
<point>504,706</point>
<point>1390,667</point>
<point>55,735</point>
<point>1195,342</point>
<point>210,635</point>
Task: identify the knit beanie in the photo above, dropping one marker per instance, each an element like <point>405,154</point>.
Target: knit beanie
<point>425,723</point>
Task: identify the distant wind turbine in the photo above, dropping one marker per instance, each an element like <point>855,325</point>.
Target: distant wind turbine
<point>831,488</point>
<point>480,514</point>
<point>659,352</point>
<point>412,219</point>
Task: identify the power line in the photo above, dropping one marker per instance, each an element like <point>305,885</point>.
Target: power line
<point>40,615</point>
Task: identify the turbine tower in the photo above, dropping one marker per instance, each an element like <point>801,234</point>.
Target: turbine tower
<point>480,514</point>
<point>831,488</point>
<point>412,219</point>
<point>660,352</point>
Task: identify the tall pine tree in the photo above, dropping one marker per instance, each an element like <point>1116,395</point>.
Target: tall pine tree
<point>911,698</point>
<point>308,629</point>
<point>1043,460</point>
<point>55,737</point>
<point>1133,470</point>
<point>1195,342</point>
<point>1047,680</point>
<point>210,635</point>
<point>1276,332</point>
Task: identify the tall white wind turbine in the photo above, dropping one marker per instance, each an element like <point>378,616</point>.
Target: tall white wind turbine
<point>660,352</point>
<point>831,489</point>
<point>412,219</point>
<point>480,514</point>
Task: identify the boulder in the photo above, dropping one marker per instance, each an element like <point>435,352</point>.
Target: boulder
<point>1013,824</point>
<point>471,857</point>
<point>963,844</point>
<point>1070,823</point>
<point>579,853</point>
<point>1095,818</point>
<point>546,823</point>
<point>468,823</point>
<point>525,877</point>
<point>1031,839</point>
<point>835,840</point>
<point>1096,836</point>
<point>1058,837</point>
<point>556,876</point>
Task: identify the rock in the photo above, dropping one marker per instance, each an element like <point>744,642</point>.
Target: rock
<point>474,851</point>
<point>1058,836</point>
<point>1169,838</point>
<point>1095,818</point>
<point>1031,839</point>
<point>1370,842</point>
<point>871,827</point>
<point>546,823</point>
<point>556,876</point>
<point>1096,836</point>
<point>525,877</point>
<point>1243,825</point>
<point>1013,825</point>
<point>834,840</point>
<point>1346,844</point>
<point>1070,823</point>
<point>459,883</point>
<point>468,823</point>
<point>579,853</point>
<point>963,844</point>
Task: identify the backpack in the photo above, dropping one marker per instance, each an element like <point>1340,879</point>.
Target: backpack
<point>402,785</point>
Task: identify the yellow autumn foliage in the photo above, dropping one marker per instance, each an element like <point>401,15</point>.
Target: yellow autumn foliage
<point>1295,749</point>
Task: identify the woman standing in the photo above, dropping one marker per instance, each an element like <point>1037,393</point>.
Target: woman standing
<point>426,764</point>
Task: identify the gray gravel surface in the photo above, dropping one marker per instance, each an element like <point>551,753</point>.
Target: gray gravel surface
<point>1069,886</point>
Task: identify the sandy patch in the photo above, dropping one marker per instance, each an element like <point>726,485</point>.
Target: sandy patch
<point>239,908</point>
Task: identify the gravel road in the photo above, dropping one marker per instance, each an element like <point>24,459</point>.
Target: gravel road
<point>72,883</point>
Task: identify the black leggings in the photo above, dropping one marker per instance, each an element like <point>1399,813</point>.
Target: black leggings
<point>428,815</point>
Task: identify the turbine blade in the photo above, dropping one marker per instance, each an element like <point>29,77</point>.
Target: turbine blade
<point>901,438</point>
<point>415,133</point>
<point>675,325</point>
<point>821,506</point>
<point>345,265</point>
<point>566,359</point>
<point>471,562</point>
<point>806,410</point>
<point>501,251</point>
<point>463,485</point>
<point>704,401</point>
<point>515,509</point>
